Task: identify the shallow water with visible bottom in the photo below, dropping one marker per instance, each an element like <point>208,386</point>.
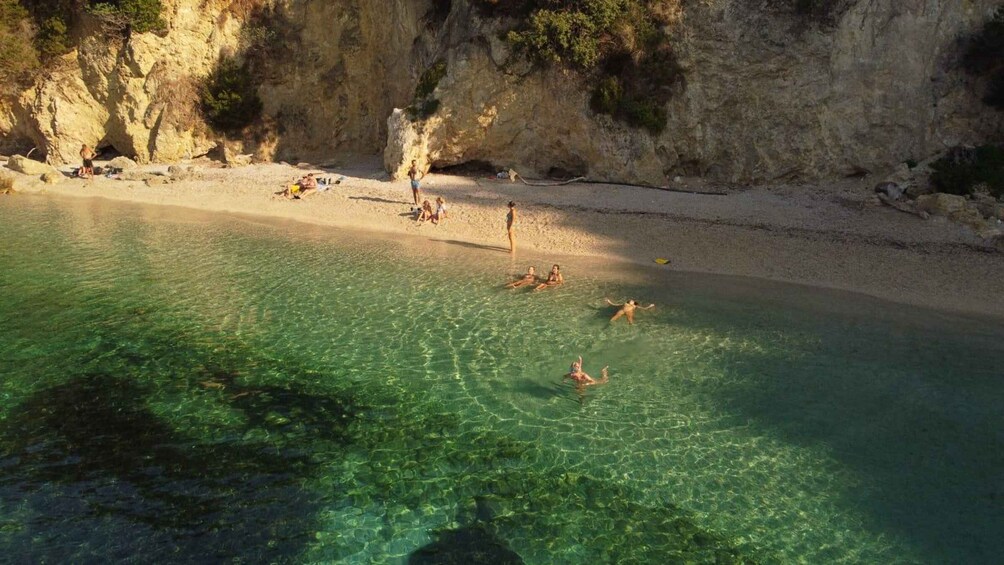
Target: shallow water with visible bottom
<point>187,387</point>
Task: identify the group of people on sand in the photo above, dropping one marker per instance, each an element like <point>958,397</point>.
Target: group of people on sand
<point>424,212</point>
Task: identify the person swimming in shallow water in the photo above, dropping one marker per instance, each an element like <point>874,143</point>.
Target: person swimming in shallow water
<point>627,309</point>
<point>529,278</point>
<point>581,378</point>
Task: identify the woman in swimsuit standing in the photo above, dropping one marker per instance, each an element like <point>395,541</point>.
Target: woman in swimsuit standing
<point>510,220</point>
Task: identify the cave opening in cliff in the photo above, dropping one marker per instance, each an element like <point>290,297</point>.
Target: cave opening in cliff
<point>472,168</point>
<point>107,151</point>
<point>20,145</point>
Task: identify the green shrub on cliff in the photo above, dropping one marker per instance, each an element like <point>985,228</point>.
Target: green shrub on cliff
<point>423,104</point>
<point>964,170</point>
<point>140,16</point>
<point>619,44</point>
<point>229,97</point>
<point>53,38</point>
<point>18,58</point>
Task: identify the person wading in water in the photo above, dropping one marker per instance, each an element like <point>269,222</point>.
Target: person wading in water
<point>510,222</point>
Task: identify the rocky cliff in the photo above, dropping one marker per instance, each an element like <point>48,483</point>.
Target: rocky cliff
<point>765,95</point>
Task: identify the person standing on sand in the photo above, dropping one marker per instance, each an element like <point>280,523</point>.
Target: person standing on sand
<point>87,156</point>
<point>510,221</point>
<point>627,309</point>
<point>415,176</point>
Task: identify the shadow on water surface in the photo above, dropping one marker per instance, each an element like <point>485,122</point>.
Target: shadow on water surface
<point>542,391</point>
<point>914,413</point>
<point>125,483</point>
<point>464,546</point>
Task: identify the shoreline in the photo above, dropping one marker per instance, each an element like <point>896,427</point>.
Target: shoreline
<point>827,237</point>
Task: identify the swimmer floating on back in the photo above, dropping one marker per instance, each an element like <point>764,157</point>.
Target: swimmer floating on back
<point>627,309</point>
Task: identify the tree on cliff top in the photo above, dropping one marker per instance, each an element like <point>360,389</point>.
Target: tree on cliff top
<point>140,16</point>
<point>18,59</point>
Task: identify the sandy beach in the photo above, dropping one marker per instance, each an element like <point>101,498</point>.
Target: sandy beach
<point>830,236</point>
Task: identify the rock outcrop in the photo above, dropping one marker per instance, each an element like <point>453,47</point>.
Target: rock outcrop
<point>766,94</point>
<point>27,166</point>
<point>766,97</point>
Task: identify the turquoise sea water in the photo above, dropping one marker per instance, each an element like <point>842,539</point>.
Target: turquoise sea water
<point>179,387</point>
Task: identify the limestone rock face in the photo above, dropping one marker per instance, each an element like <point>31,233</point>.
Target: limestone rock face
<point>766,95</point>
<point>354,61</point>
<point>126,95</point>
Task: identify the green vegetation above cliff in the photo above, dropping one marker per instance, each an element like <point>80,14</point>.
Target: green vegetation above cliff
<point>620,45</point>
<point>33,32</point>
<point>140,16</point>
<point>17,56</point>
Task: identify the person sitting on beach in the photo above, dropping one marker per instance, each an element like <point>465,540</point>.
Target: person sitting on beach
<point>582,379</point>
<point>440,214</point>
<point>425,212</point>
<point>87,156</point>
<point>553,279</point>
<point>627,309</point>
<point>529,278</point>
<point>302,189</point>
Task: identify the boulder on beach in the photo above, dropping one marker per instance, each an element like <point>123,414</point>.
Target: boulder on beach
<point>969,216</point>
<point>941,204</point>
<point>28,166</point>
<point>52,178</point>
<point>121,163</point>
<point>177,172</point>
